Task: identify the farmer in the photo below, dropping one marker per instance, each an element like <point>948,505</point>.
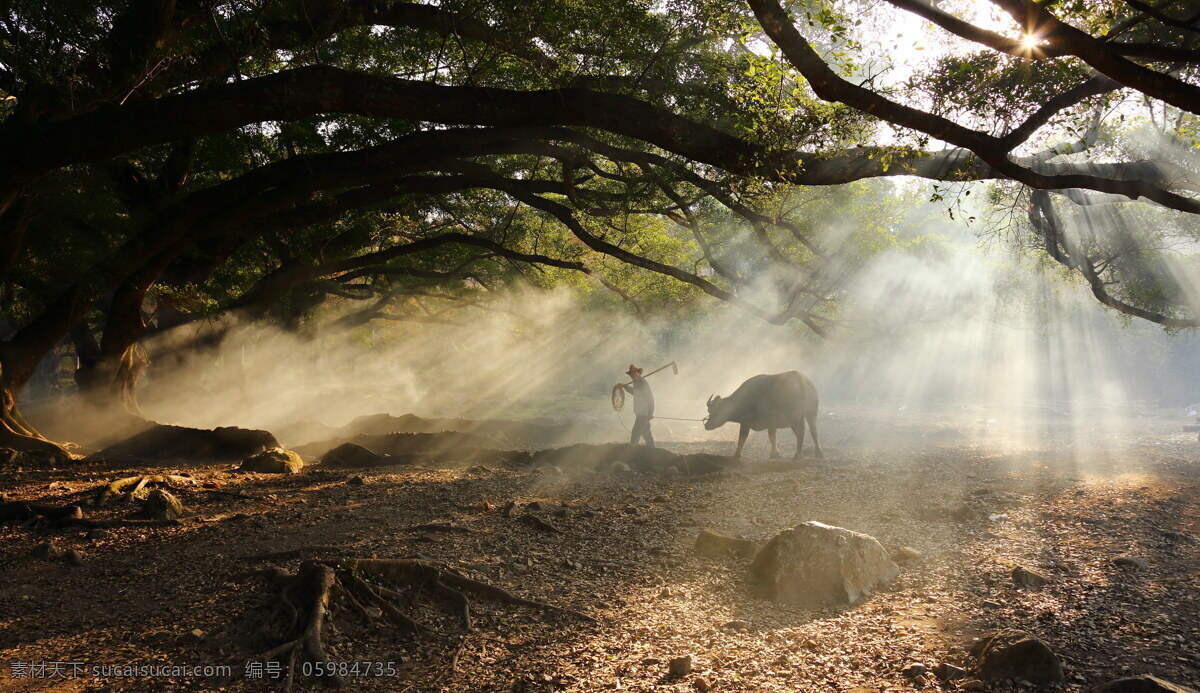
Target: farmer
<point>643,406</point>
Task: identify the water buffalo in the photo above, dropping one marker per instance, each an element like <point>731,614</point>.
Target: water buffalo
<point>782,400</point>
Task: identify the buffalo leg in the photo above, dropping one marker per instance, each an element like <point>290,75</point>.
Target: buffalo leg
<point>798,429</point>
<point>812,425</point>
<point>774,449</point>
<point>742,435</point>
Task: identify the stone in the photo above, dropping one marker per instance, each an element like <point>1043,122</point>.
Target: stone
<point>1024,577</point>
<point>48,551</point>
<point>736,625</point>
<point>355,480</point>
<point>1134,562</point>
<point>97,533</point>
<point>679,666</point>
<point>275,461</point>
<point>906,554</point>
<point>815,564</point>
<point>75,557</point>
<point>913,671</point>
<point>988,604</point>
<point>1015,654</point>
<point>1141,684</point>
<point>948,672</point>
<point>162,505</point>
<point>620,467</point>
<point>351,455</point>
<point>542,506</point>
<point>701,685</point>
<point>972,685</point>
<point>711,543</point>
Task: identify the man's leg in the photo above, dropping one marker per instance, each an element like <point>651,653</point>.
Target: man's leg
<point>636,431</point>
<point>647,435</point>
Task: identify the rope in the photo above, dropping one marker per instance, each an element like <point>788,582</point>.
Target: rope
<point>618,397</point>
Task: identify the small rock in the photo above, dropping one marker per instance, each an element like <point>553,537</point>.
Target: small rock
<point>948,672</point>
<point>551,470</point>
<point>1134,562</point>
<point>275,461</point>
<point>672,470</point>
<point>988,604</point>
<point>193,637</point>
<point>736,625</point>
<point>162,505</point>
<point>710,543</point>
<point>701,685</point>
<point>620,467</point>
<point>1023,577</point>
<point>75,557</point>
<point>912,671</point>
<point>356,480</point>
<point>1141,684</point>
<point>542,506</point>
<point>665,593</point>
<point>972,685</point>
<point>661,499</point>
<point>679,666</point>
<point>48,551</point>
<point>906,553</point>
<point>1014,654</point>
<point>96,533</point>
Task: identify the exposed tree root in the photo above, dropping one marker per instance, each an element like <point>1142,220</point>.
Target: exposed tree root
<point>68,516</point>
<point>19,511</point>
<point>126,489</point>
<point>370,589</point>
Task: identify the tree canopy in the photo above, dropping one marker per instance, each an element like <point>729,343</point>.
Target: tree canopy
<point>169,161</point>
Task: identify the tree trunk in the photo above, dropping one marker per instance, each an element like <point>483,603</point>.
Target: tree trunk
<point>15,432</point>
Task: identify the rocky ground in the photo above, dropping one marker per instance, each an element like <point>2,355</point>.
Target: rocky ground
<point>975,500</point>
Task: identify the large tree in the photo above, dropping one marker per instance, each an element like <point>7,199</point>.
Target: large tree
<point>150,143</point>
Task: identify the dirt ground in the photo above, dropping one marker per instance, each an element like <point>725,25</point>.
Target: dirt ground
<point>974,499</point>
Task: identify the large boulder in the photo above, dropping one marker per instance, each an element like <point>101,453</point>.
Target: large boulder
<point>1141,684</point>
<point>277,461</point>
<point>1015,654</point>
<point>816,564</point>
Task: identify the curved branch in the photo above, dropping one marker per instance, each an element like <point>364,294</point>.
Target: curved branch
<point>1019,49</point>
<point>831,87</point>
<point>1102,56</point>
